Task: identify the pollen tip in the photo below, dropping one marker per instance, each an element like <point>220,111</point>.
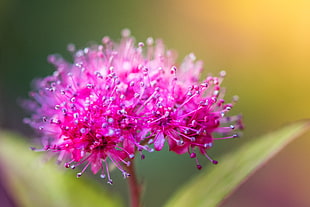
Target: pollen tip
<point>193,155</point>
<point>78,175</point>
<point>32,148</point>
<point>236,136</point>
<point>215,162</point>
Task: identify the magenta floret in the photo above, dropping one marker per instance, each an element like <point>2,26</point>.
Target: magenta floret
<point>117,99</point>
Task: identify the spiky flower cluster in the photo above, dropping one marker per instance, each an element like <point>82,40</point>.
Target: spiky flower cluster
<point>119,99</point>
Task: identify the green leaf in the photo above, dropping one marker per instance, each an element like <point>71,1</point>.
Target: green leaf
<point>32,182</point>
<point>213,185</point>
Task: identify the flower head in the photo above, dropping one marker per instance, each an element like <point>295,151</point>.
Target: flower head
<point>117,99</point>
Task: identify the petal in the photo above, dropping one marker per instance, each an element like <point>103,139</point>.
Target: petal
<point>159,141</point>
<point>129,144</point>
<point>179,149</point>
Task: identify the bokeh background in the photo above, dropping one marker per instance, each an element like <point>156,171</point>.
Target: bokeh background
<point>264,45</point>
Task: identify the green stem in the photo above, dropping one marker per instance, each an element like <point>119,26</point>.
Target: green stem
<point>134,187</point>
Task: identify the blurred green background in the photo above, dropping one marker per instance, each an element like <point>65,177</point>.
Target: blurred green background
<point>263,45</point>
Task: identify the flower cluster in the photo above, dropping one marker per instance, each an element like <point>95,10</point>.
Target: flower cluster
<point>118,100</point>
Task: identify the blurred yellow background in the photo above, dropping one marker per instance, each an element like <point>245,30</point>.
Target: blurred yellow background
<point>263,45</point>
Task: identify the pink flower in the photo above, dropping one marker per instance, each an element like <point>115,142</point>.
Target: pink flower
<point>118,99</point>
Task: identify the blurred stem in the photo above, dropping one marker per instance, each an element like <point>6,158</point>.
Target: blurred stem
<point>134,186</point>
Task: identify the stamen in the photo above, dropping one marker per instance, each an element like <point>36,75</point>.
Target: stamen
<point>209,158</point>
<point>81,173</point>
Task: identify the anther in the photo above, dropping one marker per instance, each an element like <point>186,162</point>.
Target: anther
<point>215,162</point>
<point>105,40</point>
<point>173,70</point>
<point>192,56</point>
<point>149,41</point>
<point>223,73</point>
<point>235,135</point>
<point>110,182</point>
<point>125,32</point>
<point>193,155</point>
<point>33,148</point>
<point>82,130</point>
<point>180,142</point>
